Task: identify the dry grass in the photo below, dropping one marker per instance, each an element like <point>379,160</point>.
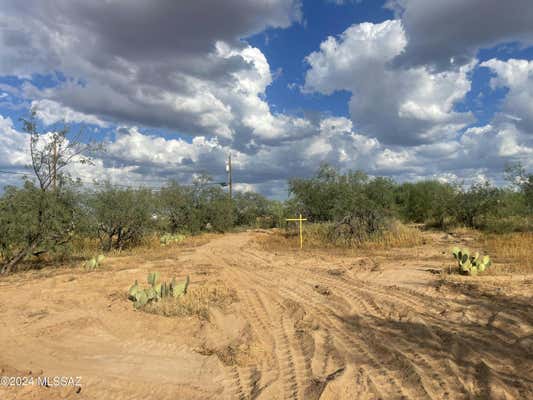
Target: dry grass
<point>511,252</point>
<point>398,235</point>
<point>196,302</point>
<point>152,245</point>
<point>316,237</point>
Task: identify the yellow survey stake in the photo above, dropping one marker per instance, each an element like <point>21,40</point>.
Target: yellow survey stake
<point>301,229</point>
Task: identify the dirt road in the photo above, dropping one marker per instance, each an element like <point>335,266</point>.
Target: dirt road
<point>307,325</point>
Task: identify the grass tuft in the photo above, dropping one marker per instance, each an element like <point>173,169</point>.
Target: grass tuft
<point>196,302</point>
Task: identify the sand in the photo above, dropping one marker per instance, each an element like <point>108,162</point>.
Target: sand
<point>307,325</point>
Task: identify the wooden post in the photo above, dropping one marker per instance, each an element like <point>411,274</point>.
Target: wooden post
<point>301,233</point>
<point>230,178</point>
<point>300,220</point>
<point>54,166</point>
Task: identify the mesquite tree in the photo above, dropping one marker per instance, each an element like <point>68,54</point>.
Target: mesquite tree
<point>41,216</point>
<point>121,217</point>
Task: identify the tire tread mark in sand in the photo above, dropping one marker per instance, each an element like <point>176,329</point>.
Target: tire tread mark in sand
<point>368,304</point>
<point>244,382</point>
<point>290,367</point>
<point>302,362</point>
<point>295,367</point>
<point>234,389</point>
<point>443,388</point>
<point>408,364</point>
<point>250,297</point>
<point>286,360</point>
<point>435,318</point>
<point>380,376</point>
<point>364,301</point>
<point>349,346</point>
<point>372,289</point>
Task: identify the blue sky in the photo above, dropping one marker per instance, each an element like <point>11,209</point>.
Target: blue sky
<point>286,50</point>
<point>408,89</point>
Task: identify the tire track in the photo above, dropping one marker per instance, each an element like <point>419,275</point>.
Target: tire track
<point>402,362</point>
<point>395,341</point>
<point>416,363</point>
<point>294,369</point>
<point>381,377</point>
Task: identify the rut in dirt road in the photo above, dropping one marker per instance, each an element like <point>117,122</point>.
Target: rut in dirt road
<point>304,325</point>
<point>337,336</point>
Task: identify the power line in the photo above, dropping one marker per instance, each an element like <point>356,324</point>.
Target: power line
<point>14,172</point>
<point>86,181</point>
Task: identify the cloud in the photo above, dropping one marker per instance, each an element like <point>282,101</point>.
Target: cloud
<point>517,76</point>
<point>13,146</point>
<point>50,112</point>
<point>343,2</point>
<point>447,34</point>
<point>177,65</point>
<point>398,106</point>
<point>129,65</point>
<point>136,158</point>
<point>107,34</point>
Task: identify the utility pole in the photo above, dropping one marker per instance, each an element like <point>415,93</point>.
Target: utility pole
<point>228,170</point>
<point>54,165</point>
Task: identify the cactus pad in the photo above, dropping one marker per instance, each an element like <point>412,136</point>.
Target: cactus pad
<point>157,290</point>
<point>468,264</point>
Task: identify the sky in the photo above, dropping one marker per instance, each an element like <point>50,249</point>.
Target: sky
<point>408,89</point>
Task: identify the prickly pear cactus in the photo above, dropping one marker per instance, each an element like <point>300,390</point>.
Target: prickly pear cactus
<point>167,238</point>
<point>470,264</point>
<point>181,288</point>
<point>142,299</point>
<point>157,290</point>
<point>133,291</point>
<point>91,264</point>
<point>95,262</point>
<point>153,278</point>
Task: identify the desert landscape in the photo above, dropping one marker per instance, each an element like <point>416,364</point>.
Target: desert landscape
<point>311,324</point>
<point>266,200</point>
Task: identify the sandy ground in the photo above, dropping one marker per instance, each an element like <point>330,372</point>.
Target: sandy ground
<point>307,325</point>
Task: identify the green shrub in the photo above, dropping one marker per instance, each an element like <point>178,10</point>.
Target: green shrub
<point>121,217</point>
<point>34,222</point>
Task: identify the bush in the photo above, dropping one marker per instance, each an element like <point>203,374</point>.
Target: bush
<point>330,196</point>
<point>34,222</point>
<point>427,202</point>
<point>121,217</point>
<point>195,208</point>
<point>477,204</point>
<point>253,209</point>
<point>177,209</point>
<point>358,226</point>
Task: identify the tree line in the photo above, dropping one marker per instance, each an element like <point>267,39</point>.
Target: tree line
<point>331,196</point>
<point>46,214</point>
